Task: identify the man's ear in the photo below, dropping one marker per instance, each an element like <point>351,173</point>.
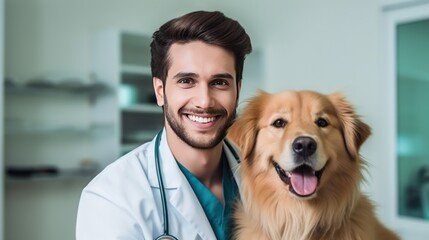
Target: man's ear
<point>158,87</point>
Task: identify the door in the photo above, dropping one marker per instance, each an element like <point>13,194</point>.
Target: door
<point>408,85</point>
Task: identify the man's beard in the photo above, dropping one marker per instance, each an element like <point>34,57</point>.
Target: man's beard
<point>184,136</point>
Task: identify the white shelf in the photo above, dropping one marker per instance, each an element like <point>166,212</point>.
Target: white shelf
<point>125,148</point>
<point>15,129</point>
<point>125,58</point>
<point>136,69</point>
<point>60,123</point>
<point>140,136</point>
<point>142,108</point>
<point>55,90</point>
<point>135,139</point>
<point>60,174</point>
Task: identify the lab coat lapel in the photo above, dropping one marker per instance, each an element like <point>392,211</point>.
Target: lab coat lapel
<point>232,154</point>
<point>179,193</point>
<point>171,171</point>
<point>186,203</point>
<point>183,199</point>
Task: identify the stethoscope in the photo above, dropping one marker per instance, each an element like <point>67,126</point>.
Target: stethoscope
<point>166,235</point>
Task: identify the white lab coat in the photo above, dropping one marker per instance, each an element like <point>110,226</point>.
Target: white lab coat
<point>123,201</point>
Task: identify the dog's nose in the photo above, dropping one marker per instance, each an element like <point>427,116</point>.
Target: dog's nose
<point>304,146</point>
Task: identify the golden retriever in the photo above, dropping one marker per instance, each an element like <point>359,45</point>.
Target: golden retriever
<point>301,170</point>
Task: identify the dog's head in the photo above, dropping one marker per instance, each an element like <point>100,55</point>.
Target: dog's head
<point>300,139</point>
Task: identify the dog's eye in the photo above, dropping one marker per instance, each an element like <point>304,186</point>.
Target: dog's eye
<point>279,123</point>
<point>321,122</point>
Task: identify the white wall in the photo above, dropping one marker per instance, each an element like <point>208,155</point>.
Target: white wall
<point>331,45</point>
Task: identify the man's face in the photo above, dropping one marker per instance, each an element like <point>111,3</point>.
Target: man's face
<point>200,93</point>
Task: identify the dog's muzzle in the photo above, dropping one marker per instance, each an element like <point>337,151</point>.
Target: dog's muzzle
<point>303,179</point>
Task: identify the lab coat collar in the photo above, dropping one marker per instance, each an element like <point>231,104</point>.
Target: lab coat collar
<point>170,170</point>
<point>180,196</point>
<point>232,154</point>
<point>178,190</point>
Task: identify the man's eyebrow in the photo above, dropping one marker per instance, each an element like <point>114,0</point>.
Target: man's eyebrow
<point>194,75</point>
<point>223,75</point>
<point>185,75</point>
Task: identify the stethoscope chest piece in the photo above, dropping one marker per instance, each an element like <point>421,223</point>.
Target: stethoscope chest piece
<point>166,237</point>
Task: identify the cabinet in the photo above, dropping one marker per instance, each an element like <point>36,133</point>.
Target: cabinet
<point>123,58</point>
<point>52,131</point>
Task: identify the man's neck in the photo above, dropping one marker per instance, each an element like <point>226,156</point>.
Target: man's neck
<point>204,164</point>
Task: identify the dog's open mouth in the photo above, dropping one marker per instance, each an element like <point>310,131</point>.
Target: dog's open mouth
<point>302,181</point>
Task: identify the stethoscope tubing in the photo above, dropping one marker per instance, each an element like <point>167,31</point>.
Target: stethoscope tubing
<point>166,235</point>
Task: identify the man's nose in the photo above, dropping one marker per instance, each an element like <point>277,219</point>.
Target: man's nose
<point>204,97</point>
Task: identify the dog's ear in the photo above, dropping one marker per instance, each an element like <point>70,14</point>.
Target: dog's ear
<point>355,132</point>
<point>244,131</point>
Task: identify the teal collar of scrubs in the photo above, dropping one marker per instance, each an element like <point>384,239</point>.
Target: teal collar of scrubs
<point>217,214</point>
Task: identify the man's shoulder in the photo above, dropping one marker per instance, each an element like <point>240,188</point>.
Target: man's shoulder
<point>130,170</point>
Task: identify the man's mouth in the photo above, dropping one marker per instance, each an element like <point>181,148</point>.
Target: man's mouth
<point>200,119</point>
<point>302,181</point>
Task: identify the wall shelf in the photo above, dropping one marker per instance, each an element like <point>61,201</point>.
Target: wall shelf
<point>57,124</point>
<point>94,89</point>
<point>124,57</point>
<point>136,69</point>
<point>49,130</point>
<point>47,174</point>
<point>142,108</point>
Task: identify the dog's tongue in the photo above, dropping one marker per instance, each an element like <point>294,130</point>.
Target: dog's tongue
<point>303,180</point>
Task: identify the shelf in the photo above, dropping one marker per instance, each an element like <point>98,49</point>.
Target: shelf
<point>125,58</point>
<point>88,89</point>
<point>48,174</point>
<point>135,48</point>
<point>136,69</point>
<point>14,129</point>
<point>139,136</point>
<point>125,148</point>
<point>142,108</point>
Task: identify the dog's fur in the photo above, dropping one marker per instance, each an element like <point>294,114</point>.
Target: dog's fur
<point>329,136</point>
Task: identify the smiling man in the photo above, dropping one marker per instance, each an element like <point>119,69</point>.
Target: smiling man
<point>183,182</point>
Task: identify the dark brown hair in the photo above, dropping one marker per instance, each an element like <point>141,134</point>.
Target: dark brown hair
<point>210,27</point>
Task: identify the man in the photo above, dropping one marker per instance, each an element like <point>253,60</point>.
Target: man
<point>197,64</point>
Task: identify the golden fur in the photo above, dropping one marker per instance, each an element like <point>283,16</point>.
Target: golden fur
<point>334,208</point>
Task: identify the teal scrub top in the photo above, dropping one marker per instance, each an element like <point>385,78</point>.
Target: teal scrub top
<point>217,214</point>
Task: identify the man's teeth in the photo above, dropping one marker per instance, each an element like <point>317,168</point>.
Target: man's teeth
<point>201,119</point>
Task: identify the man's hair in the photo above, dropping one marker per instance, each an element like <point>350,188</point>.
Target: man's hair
<point>209,27</point>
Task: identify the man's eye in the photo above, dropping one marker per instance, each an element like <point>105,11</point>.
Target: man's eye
<point>185,81</point>
<point>220,82</point>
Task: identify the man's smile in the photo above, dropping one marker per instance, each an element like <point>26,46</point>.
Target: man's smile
<point>200,119</point>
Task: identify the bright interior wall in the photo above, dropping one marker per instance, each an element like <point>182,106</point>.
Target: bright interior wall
<point>320,45</point>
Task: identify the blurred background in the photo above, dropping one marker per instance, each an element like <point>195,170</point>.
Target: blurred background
<point>77,93</point>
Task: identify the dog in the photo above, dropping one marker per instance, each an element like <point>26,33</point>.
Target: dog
<point>301,170</point>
